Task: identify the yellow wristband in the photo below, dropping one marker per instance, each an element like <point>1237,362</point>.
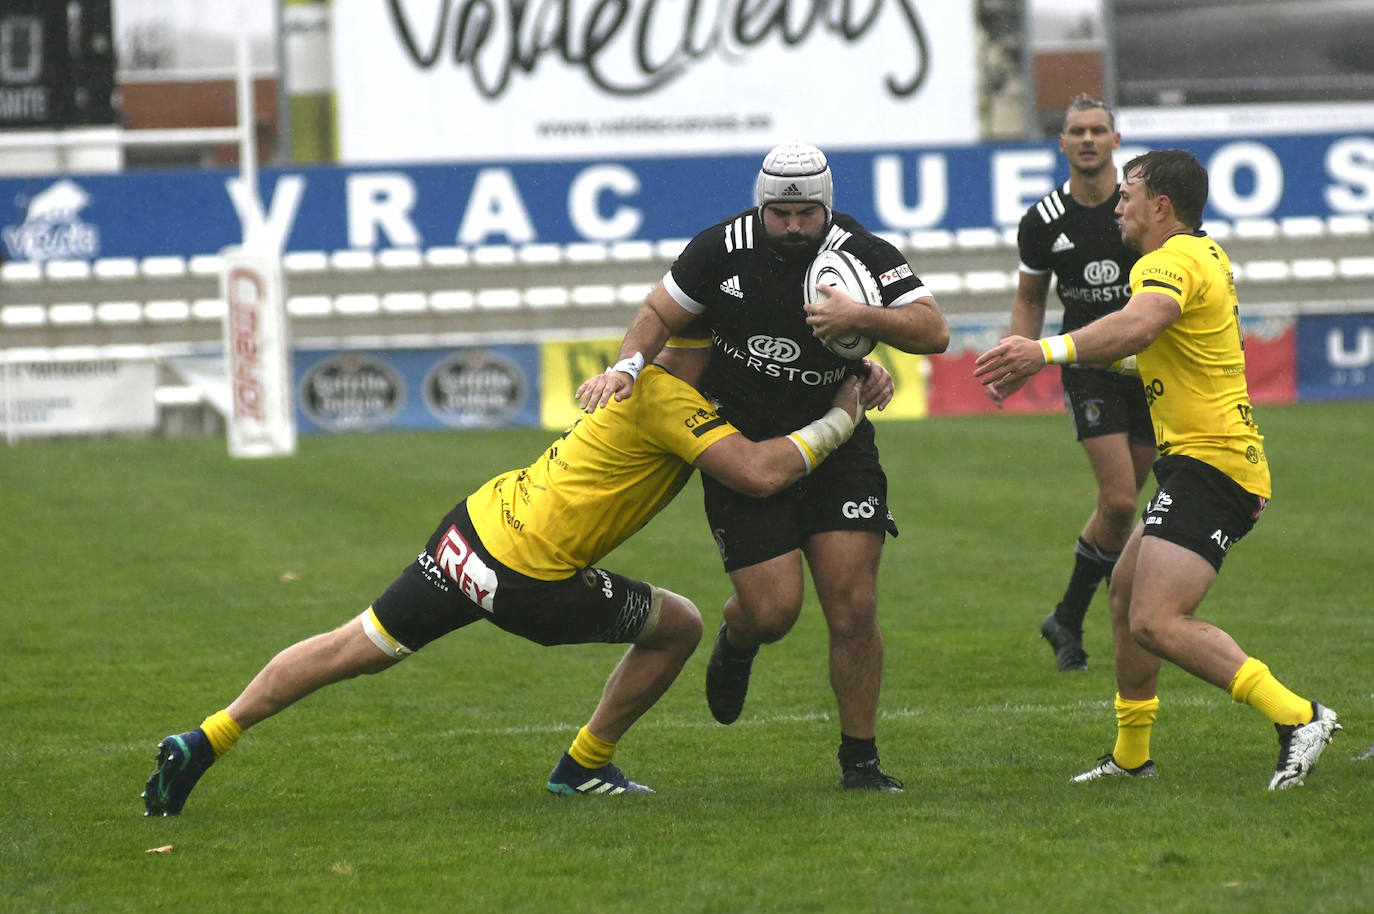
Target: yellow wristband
<point>1058,350</point>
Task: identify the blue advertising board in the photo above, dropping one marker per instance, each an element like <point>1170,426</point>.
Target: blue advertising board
<point>350,390</point>
<point>1335,356</point>
<point>330,208</point>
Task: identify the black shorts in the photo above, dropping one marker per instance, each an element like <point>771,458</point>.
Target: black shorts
<point>1107,403</point>
<point>848,491</point>
<point>455,582</point>
<point>1200,508</point>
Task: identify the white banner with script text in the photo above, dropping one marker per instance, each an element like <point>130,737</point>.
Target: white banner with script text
<point>471,80</point>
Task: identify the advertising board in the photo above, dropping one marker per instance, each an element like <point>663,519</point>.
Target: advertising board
<point>566,201</point>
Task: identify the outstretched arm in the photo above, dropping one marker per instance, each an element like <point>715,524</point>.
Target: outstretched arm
<point>1106,340</point>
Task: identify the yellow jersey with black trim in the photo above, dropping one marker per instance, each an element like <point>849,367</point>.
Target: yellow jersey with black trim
<point>599,483</point>
<point>1194,373</point>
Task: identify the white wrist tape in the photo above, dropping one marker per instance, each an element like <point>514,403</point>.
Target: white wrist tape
<point>631,366</point>
<point>1059,350</point>
<point>817,440</point>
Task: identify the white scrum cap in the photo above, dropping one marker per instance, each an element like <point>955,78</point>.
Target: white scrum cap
<point>795,173</point>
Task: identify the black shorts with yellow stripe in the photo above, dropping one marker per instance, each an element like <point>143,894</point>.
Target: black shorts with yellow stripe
<point>455,582</point>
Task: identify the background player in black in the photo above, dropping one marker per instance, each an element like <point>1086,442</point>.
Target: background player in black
<point>743,279</point>
<point>1072,233</point>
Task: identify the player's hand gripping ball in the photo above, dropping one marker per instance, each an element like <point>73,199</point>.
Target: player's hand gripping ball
<point>845,271</point>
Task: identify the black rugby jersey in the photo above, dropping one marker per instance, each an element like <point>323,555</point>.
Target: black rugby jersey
<point>767,372</point>
<point>1082,245</point>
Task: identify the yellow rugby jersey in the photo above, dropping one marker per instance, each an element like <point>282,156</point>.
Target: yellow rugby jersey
<point>598,484</point>
<point>1194,373</point>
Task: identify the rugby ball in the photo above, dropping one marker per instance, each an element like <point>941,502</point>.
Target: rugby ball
<point>845,271</point>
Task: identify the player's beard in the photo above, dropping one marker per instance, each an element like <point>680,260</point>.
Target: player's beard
<point>796,247</point>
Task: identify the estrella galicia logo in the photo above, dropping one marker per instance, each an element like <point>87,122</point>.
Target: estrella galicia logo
<point>774,348</point>
<point>52,228</point>
<point>475,388</point>
<point>351,391</point>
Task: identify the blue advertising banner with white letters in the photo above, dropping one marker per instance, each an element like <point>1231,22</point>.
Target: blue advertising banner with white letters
<point>332,208</point>
<point>1335,356</point>
<point>354,390</point>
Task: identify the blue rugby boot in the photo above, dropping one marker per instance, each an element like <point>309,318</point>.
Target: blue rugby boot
<point>181,759</point>
<point>570,779</point>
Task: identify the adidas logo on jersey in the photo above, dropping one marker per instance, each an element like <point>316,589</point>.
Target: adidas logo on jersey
<point>1062,243</point>
<point>731,287</point>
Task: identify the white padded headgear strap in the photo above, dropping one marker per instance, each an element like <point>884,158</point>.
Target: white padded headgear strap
<point>795,173</point>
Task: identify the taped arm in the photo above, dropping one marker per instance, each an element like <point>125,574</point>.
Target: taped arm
<point>762,468</point>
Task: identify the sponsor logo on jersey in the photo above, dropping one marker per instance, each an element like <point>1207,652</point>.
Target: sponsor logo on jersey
<point>703,421</point>
<point>1222,540</point>
<point>774,348</point>
<point>1101,272</point>
<point>464,567</point>
<point>769,355</point>
<point>1118,292</point>
<point>899,272</point>
<point>1062,243</point>
<point>1162,273</point>
<point>430,569</point>
<point>1161,503</point>
<point>731,287</point>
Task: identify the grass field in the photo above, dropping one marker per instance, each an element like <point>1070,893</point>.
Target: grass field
<point>146,582</point>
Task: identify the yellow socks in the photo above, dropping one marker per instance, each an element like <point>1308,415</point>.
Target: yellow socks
<point>590,750</point>
<point>223,731</point>
<point>1255,686</point>
<point>1134,721</point>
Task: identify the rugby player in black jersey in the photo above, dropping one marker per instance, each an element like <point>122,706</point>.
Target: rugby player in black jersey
<point>742,278</point>
<point>1072,234</point>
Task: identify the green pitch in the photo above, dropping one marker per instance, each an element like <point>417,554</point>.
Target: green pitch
<point>146,582</point>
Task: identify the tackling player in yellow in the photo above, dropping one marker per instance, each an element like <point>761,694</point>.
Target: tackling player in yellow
<point>520,553</point>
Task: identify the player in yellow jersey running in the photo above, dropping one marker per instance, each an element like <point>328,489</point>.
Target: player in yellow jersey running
<point>1182,325</point>
<point>520,553</point>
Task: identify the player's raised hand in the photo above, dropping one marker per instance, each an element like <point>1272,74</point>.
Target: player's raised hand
<point>596,391</point>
